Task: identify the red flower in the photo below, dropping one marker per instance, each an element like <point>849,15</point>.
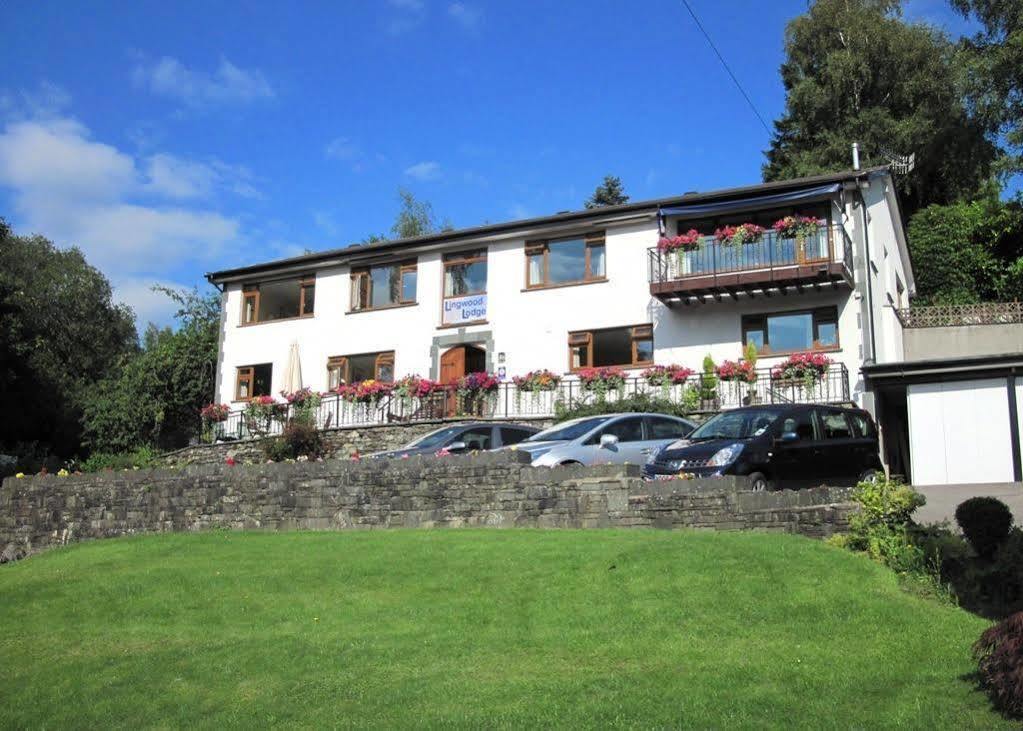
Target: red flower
<point>230,461</point>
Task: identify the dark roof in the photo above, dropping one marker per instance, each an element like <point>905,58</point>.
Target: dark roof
<point>559,218</point>
<point>937,369</point>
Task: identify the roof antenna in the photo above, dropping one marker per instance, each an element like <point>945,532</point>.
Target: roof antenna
<point>901,164</point>
<point>856,155</point>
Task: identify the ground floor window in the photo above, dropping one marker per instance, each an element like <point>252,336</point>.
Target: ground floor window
<point>253,380</point>
<point>362,367</point>
<point>789,332</point>
<point>616,346</point>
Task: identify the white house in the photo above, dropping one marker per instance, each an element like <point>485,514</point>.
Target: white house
<point>586,288</point>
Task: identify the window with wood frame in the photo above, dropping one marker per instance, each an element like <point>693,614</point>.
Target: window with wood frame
<point>778,333</point>
<point>343,369</point>
<point>565,261</point>
<point>614,346</point>
<point>383,285</point>
<point>465,273</point>
<point>278,300</point>
<point>252,381</point>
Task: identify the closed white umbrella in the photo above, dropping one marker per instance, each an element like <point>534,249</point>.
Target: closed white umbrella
<point>293,371</point>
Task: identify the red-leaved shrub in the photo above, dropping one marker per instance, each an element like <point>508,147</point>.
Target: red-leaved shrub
<point>999,654</point>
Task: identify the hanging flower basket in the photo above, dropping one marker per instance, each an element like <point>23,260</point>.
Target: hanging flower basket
<point>601,381</point>
<point>261,412</point>
<point>212,413</point>
<point>669,375</point>
<point>802,369</point>
<point>691,240</point>
<point>797,227</point>
<point>474,390</point>
<point>742,371</point>
<point>542,380</point>
<point>369,391</point>
<point>744,233</point>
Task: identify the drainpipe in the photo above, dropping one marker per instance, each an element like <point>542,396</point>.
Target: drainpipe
<point>870,288</point>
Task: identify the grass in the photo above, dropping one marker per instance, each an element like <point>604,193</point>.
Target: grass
<point>477,628</point>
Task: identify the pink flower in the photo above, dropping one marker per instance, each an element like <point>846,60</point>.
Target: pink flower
<point>230,461</point>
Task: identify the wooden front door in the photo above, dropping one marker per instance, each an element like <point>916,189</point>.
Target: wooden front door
<point>454,364</point>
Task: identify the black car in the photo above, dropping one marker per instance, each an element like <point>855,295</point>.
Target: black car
<point>456,438</point>
<point>787,446</point>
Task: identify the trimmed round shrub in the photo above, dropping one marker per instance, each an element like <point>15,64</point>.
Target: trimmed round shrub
<point>999,654</point>
<point>985,522</point>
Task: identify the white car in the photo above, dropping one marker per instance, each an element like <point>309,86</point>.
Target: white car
<point>605,439</point>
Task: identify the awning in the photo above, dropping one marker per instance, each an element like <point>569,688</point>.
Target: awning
<point>763,201</point>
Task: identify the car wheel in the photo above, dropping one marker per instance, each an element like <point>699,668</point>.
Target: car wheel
<point>758,482</point>
<point>870,476</point>
<point>571,462</point>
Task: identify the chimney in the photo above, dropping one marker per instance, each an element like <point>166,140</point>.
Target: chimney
<point>856,155</point>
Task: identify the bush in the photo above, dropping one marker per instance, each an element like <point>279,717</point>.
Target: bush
<point>636,402</point>
<point>986,522</point>
<point>885,503</point>
<point>999,654</point>
<point>299,439</point>
<point>140,458</point>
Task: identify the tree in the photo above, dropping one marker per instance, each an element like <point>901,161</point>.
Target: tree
<point>992,61</point>
<point>154,396</point>
<point>855,72</point>
<point>609,193</point>
<point>969,251</point>
<point>415,218</point>
<point>60,333</point>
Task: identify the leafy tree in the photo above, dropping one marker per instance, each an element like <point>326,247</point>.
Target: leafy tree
<point>855,71</point>
<point>60,332</point>
<point>967,252</point>
<point>609,193</point>
<point>415,218</point>
<point>993,64</point>
<point>153,398</point>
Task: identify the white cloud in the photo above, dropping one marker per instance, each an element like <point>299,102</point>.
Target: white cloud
<point>123,213</point>
<point>228,84</point>
<point>467,16</point>
<point>149,306</point>
<point>45,101</point>
<point>342,148</point>
<point>426,170</point>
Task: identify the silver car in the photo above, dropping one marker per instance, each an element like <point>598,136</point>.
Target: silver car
<point>605,439</point>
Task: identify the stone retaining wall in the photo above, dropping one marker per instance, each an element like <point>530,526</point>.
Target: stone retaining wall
<point>341,443</point>
<point>490,489</point>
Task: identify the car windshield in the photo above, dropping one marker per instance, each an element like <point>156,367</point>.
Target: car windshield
<point>434,438</point>
<point>568,431</point>
<point>735,425</point>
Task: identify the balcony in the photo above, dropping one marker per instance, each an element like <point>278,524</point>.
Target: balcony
<point>773,265</point>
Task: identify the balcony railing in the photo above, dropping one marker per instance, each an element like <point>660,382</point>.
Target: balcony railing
<point>986,313</point>
<point>774,260</point>
<point>696,395</point>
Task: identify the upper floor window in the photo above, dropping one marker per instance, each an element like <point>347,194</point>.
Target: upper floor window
<point>384,285</point>
<point>616,346</point>
<point>363,367</point>
<point>279,300</point>
<point>565,261</point>
<point>465,273</point>
<point>252,381</point>
<point>787,332</point>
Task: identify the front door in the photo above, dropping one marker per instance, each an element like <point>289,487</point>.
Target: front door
<point>454,364</point>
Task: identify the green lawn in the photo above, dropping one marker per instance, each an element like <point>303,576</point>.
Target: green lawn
<point>477,628</point>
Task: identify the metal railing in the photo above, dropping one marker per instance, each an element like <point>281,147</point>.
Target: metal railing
<point>986,313</point>
<point>828,244</point>
<point>699,394</point>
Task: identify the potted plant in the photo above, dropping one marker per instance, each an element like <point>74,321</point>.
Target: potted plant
<point>601,381</point>
<point>304,403</point>
<point>261,412</point>
<point>744,233</point>
<point>412,389</point>
<point>739,373</point>
<point>682,245</point>
<point>212,416</point>
<point>799,228</point>
<point>802,370</point>
<point>474,390</point>
<point>665,377</point>
<point>709,385</point>
<point>535,383</point>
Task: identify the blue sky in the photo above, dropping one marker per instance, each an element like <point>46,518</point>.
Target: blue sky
<point>171,139</point>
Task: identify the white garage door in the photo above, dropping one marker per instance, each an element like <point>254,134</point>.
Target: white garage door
<point>959,432</point>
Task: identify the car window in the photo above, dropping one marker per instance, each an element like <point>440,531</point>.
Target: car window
<point>627,430</point>
<point>834,425</point>
<point>569,430</point>
<point>801,424</point>
<point>513,435</point>
<point>476,438</point>
<point>861,425</point>
<point>662,428</point>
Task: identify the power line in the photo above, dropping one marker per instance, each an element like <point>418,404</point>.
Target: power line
<point>725,64</point>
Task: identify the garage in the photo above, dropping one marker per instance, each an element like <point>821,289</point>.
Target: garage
<point>952,421</point>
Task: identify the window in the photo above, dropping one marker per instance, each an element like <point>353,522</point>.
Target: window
<point>280,300</point>
<point>619,346</point>
<point>565,261</point>
<point>513,435</point>
<point>801,424</point>
<point>465,273</point>
<point>363,367</point>
<point>253,381</point>
<point>660,427</point>
<point>627,430</point>
<point>787,332</point>
<point>386,285</point>
<point>862,426</point>
<point>834,425</point>
<point>476,438</point>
